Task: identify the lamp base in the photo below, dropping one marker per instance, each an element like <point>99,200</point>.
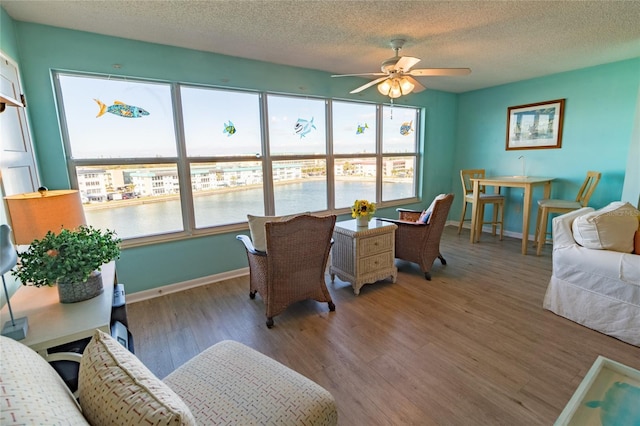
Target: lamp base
<point>17,331</point>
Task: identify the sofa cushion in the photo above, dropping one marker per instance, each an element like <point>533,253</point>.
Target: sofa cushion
<point>116,388</point>
<point>31,391</point>
<point>257,229</point>
<point>231,383</point>
<point>610,228</point>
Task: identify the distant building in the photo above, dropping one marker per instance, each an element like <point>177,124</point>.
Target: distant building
<point>92,184</point>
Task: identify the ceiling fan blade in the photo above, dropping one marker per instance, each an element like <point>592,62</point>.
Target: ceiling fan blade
<point>405,63</point>
<point>435,72</point>
<point>418,87</point>
<point>358,75</point>
<point>369,84</point>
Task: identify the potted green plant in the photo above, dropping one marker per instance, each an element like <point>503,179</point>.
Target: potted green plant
<point>71,259</point>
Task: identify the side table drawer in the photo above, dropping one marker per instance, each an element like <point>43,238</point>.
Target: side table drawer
<point>376,244</point>
<point>376,262</point>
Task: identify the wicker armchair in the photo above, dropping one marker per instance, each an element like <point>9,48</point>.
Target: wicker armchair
<point>419,242</point>
<point>293,268</point>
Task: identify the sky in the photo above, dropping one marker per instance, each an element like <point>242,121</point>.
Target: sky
<point>207,112</point>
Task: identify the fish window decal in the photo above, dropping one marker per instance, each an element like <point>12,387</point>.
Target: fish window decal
<point>121,110</point>
<point>406,128</point>
<point>360,129</point>
<point>229,128</point>
<point>303,127</point>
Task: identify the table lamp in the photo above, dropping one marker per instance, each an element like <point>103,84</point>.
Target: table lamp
<point>35,213</point>
<point>15,328</point>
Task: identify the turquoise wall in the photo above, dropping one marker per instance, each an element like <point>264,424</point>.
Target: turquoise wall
<point>8,43</point>
<point>598,123</point>
<point>43,48</point>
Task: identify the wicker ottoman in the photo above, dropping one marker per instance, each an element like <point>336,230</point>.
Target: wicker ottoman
<point>230,383</point>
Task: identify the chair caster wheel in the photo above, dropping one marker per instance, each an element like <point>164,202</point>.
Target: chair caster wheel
<point>252,295</point>
<point>427,276</point>
<point>269,322</point>
<point>332,306</point>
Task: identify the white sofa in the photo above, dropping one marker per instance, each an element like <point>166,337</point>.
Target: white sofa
<point>229,383</point>
<point>599,289</point>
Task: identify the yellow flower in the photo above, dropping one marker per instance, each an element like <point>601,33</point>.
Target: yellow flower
<point>362,208</point>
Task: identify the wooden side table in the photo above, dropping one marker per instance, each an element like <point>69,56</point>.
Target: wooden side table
<point>363,255</point>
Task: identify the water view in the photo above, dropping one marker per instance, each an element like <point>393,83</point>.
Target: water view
<point>158,216</point>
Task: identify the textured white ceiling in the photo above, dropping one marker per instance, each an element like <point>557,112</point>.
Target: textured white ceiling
<point>501,41</point>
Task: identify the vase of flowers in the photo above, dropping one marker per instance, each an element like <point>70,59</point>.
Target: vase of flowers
<point>71,259</point>
<point>362,211</point>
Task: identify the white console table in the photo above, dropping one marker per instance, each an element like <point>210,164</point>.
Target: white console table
<point>52,323</point>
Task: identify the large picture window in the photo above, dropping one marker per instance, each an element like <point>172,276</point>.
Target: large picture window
<point>154,159</point>
<point>355,135</point>
<point>399,159</point>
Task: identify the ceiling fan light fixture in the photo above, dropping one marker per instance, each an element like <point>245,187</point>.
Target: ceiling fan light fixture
<point>406,86</point>
<point>395,91</point>
<point>384,87</point>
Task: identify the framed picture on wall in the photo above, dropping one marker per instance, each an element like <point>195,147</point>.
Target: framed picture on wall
<point>535,126</point>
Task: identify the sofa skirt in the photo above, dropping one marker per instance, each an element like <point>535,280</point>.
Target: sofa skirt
<point>609,315</point>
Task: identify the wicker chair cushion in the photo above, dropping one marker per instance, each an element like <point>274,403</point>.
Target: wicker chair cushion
<point>256,228</point>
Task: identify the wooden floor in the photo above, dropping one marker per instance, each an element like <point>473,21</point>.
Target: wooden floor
<point>471,347</point>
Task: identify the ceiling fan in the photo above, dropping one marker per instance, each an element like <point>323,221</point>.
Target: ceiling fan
<point>397,75</point>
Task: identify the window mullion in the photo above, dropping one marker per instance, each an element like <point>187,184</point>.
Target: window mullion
<point>380,129</point>
<point>184,168</point>
<point>331,187</point>
<point>267,169</point>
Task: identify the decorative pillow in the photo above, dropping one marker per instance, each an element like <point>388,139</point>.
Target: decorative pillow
<point>610,228</point>
<point>431,206</point>
<point>31,391</point>
<point>257,230</point>
<point>424,217</point>
<point>116,388</point>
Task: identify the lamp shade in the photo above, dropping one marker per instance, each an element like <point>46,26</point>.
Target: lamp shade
<point>34,214</point>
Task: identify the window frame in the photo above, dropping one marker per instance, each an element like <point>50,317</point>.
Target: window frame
<point>184,163</point>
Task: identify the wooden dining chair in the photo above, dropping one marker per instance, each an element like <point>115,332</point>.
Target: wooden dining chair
<point>547,207</point>
<point>496,199</point>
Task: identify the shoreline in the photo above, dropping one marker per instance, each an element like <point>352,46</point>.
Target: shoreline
<point>171,197</point>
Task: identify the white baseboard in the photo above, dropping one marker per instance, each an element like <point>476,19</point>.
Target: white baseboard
<point>185,285</point>
<point>487,228</point>
<point>197,282</point>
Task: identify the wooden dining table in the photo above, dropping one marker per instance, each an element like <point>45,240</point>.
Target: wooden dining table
<point>525,182</point>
